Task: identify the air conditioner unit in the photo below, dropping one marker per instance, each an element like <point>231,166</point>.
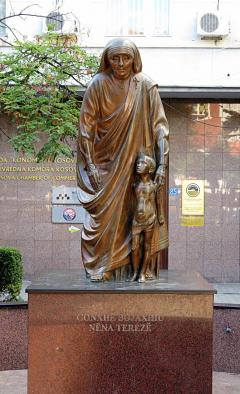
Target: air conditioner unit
<point>61,22</point>
<point>212,24</point>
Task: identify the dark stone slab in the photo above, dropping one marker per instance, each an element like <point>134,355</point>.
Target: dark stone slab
<point>122,341</point>
<point>226,305</point>
<point>13,304</point>
<point>74,281</point>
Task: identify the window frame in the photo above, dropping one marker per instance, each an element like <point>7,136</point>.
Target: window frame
<point>3,32</point>
<point>147,26</point>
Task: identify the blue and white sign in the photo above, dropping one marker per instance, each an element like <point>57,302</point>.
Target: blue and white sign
<point>174,191</point>
<point>70,214</point>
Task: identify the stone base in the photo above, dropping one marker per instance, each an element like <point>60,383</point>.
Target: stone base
<point>136,338</point>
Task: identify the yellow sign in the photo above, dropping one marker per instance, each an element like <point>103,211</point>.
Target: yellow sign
<point>193,197</point>
<point>192,221</point>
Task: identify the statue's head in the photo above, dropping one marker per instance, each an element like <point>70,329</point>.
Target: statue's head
<point>121,57</point>
<point>145,164</point>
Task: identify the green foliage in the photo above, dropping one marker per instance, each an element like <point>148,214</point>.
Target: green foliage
<point>38,91</point>
<point>11,271</point>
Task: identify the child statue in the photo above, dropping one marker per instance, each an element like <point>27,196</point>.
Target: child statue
<point>145,216</point>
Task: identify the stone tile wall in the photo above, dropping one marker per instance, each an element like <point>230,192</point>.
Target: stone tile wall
<point>205,144</point>
<point>25,221</point>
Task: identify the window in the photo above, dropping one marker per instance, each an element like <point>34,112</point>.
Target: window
<point>161,17</point>
<point>201,111</point>
<point>2,15</point>
<point>125,17</point>
<point>137,17</point>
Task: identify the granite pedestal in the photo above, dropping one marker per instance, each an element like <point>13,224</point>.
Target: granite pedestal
<point>87,338</point>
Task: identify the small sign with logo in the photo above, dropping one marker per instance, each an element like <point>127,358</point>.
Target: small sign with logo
<point>193,197</point>
<point>68,214</point>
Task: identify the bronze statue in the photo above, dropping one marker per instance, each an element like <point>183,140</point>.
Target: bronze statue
<point>121,115</point>
<point>144,218</point>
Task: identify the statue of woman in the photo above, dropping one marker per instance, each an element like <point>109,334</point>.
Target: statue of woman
<point>121,116</point>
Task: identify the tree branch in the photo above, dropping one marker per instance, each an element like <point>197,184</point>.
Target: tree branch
<point>8,27</point>
<point>28,6</point>
<point>7,42</point>
<point>33,15</point>
<point>4,132</point>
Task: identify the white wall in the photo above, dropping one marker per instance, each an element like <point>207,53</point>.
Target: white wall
<point>179,59</point>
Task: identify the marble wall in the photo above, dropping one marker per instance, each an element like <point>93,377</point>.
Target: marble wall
<point>205,144</point>
<point>25,205</point>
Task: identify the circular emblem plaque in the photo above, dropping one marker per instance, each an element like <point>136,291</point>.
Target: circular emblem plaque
<point>69,214</point>
<point>193,190</point>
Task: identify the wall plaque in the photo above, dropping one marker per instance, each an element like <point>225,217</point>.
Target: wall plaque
<point>193,197</point>
<point>65,195</point>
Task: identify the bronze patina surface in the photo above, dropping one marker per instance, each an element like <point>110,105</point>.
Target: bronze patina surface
<point>122,116</point>
<point>145,218</point>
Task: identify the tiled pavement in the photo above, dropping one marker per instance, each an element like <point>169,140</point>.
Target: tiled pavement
<point>15,382</point>
<point>226,383</point>
<point>228,294</point>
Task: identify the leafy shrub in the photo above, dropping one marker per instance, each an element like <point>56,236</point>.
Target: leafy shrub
<point>11,271</point>
<point>39,83</point>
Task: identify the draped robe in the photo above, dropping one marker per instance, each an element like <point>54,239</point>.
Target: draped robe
<point>121,124</point>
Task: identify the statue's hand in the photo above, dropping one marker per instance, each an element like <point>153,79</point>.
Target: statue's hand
<point>160,176</point>
<point>94,176</point>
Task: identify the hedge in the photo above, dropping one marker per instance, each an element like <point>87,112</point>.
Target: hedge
<point>11,271</point>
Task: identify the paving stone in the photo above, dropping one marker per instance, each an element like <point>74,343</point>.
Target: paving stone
<point>15,382</point>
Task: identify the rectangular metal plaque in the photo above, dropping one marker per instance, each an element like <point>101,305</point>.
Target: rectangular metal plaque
<point>65,195</point>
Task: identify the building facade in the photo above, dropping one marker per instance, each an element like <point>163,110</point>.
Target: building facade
<point>192,50</point>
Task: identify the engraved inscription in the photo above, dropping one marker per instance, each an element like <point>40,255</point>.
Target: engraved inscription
<point>119,323</point>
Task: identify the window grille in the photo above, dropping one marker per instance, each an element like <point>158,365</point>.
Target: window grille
<point>209,23</point>
<point>55,20</point>
<point>201,111</point>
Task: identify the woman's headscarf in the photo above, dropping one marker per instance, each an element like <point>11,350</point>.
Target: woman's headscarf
<point>123,45</point>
